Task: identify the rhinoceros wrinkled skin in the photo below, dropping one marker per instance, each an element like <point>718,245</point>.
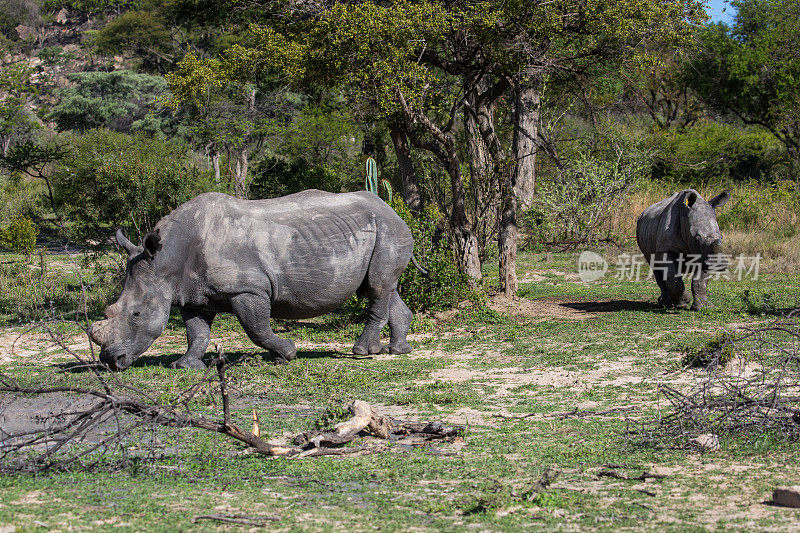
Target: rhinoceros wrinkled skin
<point>680,236</point>
<point>298,256</point>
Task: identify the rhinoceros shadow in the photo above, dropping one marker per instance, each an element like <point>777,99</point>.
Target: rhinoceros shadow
<point>613,306</point>
<point>230,357</point>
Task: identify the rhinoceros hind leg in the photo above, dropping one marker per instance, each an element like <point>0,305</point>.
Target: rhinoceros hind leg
<point>253,313</point>
<point>369,342</point>
<point>399,321</point>
<point>198,333</point>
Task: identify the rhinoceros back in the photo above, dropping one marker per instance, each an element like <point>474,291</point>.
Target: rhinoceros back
<point>659,229</point>
<point>308,251</point>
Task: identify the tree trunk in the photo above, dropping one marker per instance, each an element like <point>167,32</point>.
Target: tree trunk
<point>408,174</point>
<point>240,174</point>
<point>213,154</point>
<point>481,186</point>
<point>466,242</point>
<point>242,157</point>
<point>215,164</point>
<point>505,170</point>
<point>444,148</point>
<point>507,235</point>
<point>527,105</point>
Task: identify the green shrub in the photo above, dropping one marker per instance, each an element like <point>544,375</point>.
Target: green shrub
<point>115,180</point>
<point>761,207</point>
<point>27,294</point>
<point>119,100</point>
<point>716,351</point>
<point>20,235</point>
<point>575,207</point>
<point>716,151</point>
<point>275,177</point>
<point>444,286</point>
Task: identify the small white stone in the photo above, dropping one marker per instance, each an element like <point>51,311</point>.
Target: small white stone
<point>706,442</point>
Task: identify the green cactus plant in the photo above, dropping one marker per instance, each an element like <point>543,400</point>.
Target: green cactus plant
<point>372,176</point>
<point>371,182</point>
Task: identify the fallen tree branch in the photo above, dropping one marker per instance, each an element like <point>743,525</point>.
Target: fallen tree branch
<point>38,449</point>
<point>257,521</point>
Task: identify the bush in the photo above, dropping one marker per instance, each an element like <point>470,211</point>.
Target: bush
<point>762,207</point>
<point>115,180</point>
<point>117,100</point>
<point>29,294</point>
<point>445,286</point>
<point>717,151</point>
<point>574,207</point>
<point>20,235</point>
<point>716,351</point>
<point>275,177</point>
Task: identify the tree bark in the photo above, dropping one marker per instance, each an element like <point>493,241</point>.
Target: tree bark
<point>481,186</point>
<point>507,235</point>
<point>215,165</point>
<point>444,148</point>
<point>242,156</point>
<point>505,171</point>
<point>408,174</point>
<point>240,173</point>
<point>527,105</point>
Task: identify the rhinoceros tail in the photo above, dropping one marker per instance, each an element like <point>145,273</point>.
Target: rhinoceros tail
<point>419,267</point>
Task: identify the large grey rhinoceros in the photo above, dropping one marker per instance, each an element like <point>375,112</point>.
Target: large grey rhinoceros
<point>298,256</point>
<point>680,236</point>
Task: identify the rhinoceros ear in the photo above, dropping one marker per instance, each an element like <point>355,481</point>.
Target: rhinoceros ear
<point>720,199</point>
<point>123,241</point>
<point>152,243</point>
<point>690,199</point>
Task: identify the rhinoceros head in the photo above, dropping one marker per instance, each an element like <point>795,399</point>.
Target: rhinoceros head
<point>141,313</point>
<point>704,235</point>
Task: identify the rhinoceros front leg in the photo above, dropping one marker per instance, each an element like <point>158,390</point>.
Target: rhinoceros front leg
<point>699,284</point>
<point>198,333</point>
<point>673,291</point>
<point>253,312</point>
<point>399,321</point>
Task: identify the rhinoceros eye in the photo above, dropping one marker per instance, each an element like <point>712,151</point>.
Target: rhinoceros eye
<point>136,313</point>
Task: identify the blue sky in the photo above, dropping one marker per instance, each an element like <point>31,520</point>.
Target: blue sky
<point>715,8</point>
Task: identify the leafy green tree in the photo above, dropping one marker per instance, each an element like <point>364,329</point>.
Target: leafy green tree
<point>16,122</point>
<point>415,62</point>
<point>119,100</point>
<point>111,179</point>
<point>751,70</point>
<point>145,34</point>
<point>36,161</point>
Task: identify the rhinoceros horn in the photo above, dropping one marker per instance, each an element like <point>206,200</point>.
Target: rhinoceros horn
<point>123,241</point>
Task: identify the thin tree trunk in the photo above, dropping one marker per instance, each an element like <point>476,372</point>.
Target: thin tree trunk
<point>507,235</point>
<point>242,157</point>
<point>240,173</point>
<point>505,170</point>
<point>408,174</point>
<point>527,105</point>
<point>479,163</point>
<point>215,164</point>
<point>444,148</point>
<point>466,242</point>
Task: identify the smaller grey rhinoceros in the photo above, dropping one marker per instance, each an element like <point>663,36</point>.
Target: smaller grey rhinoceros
<point>298,256</point>
<point>680,236</point>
